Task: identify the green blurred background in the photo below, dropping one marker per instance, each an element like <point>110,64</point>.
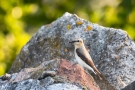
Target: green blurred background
<point>20,19</point>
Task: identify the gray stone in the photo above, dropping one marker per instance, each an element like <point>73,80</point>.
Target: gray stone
<point>23,85</point>
<point>112,50</point>
<point>130,86</point>
<point>47,81</point>
<point>63,86</point>
<point>33,84</point>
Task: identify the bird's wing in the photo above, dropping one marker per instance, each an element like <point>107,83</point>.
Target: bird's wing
<point>87,60</point>
<point>84,57</point>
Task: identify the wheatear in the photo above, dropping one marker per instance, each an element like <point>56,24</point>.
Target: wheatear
<point>83,57</point>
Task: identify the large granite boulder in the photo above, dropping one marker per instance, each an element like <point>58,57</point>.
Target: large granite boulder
<point>112,50</point>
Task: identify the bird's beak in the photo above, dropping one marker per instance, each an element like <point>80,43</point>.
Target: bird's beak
<point>71,41</point>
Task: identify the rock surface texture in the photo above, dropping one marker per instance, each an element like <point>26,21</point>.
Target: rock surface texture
<point>50,75</point>
<point>112,51</point>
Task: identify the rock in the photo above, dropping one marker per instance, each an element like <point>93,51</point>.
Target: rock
<point>63,86</point>
<point>112,50</point>
<point>130,86</point>
<point>58,74</point>
<point>35,85</point>
<point>47,68</point>
<point>73,73</point>
<point>29,84</point>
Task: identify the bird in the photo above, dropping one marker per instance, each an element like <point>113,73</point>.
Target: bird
<point>83,57</point>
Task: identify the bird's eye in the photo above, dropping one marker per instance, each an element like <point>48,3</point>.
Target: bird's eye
<point>78,41</point>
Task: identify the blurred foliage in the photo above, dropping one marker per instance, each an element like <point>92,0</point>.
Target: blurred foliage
<point>19,19</point>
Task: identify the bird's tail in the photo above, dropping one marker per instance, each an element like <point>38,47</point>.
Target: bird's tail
<point>98,73</point>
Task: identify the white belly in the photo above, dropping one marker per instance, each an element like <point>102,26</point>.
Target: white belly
<point>82,63</point>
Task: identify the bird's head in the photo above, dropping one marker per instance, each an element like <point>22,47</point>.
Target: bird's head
<point>78,42</point>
